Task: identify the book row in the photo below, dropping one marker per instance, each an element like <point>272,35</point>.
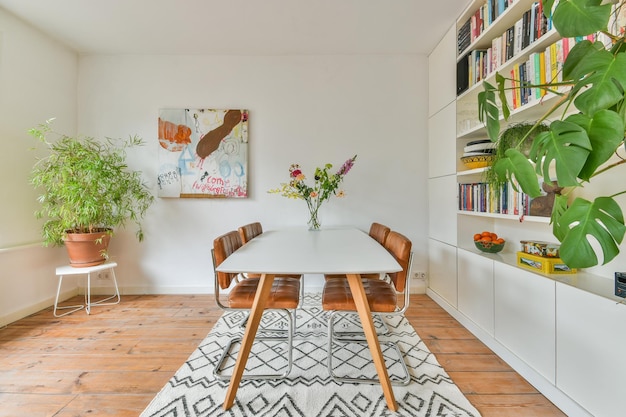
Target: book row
<point>482,18</point>
<point>482,198</point>
<point>482,62</point>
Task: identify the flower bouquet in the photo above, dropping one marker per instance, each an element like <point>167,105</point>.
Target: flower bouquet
<point>325,185</point>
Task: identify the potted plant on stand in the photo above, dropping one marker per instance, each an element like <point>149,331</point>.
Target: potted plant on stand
<point>586,129</point>
<point>87,192</point>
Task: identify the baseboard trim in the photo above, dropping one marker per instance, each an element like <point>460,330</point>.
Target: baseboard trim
<point>35,308</point>
<point>565,403</point>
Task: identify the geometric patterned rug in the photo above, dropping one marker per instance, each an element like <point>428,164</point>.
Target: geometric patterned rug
<point>308,391</point>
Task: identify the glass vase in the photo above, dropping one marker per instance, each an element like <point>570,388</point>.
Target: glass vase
<point>314,222</point>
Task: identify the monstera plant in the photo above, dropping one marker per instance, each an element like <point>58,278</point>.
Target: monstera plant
<point>586,129</point>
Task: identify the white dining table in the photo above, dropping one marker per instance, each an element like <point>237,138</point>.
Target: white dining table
<point>299,251</point>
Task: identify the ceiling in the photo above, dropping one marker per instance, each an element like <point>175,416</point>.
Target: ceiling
<point>242,27</point>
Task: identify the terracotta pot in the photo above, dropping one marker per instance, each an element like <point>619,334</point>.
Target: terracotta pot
<point>87,249</point>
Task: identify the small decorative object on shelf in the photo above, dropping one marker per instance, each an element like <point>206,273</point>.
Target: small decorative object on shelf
<point>542,264</point>
<point>478,153</point>
<point>540,248</point>
<point>478,161</point>
<point>489,242</point>
<point>323,188</point>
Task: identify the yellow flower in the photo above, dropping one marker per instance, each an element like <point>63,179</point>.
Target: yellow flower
<point>341,193</point>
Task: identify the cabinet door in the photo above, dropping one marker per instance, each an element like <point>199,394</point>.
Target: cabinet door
<point>591,342</point>
<point>525,317</point>
<point>475,275</point>
<point>442,142</point>
<point>442,209</point>
<point>442,270</point>
<point>442,73</point>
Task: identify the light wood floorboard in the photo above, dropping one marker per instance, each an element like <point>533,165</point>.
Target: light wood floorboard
<point>113,362</point>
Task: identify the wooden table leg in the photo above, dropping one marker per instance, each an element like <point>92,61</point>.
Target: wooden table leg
<point>363,308</point>
<point>262,293</point>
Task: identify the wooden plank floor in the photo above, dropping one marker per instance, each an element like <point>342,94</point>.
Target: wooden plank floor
<point>113,362</point>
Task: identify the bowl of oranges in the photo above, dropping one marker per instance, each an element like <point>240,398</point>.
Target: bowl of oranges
<point>489,242</point>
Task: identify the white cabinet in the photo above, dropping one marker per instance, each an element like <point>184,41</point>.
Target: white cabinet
<point>442,73</point>
<point>591,343</point>
<point>442,209</point>
<point>442,270</point>
<point>441,142</point>
<point>476,288</point>
<point>524,317</point>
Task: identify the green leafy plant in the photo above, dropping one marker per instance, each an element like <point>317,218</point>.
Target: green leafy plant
<point>520,136</point>
<point>586,130</point>
<point>86,185</point>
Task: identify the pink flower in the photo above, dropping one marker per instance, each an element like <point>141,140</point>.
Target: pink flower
<point>313,194</point>
<point>295,173</point>
<point>347,166</point>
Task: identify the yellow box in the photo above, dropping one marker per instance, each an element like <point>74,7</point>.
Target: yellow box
<point>543,264</point>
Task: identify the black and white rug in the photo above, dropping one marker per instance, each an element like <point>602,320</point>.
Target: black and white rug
<point>309,391</point>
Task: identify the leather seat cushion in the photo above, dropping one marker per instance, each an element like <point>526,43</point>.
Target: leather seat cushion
<point>285,293</point>
<point>381,296</point>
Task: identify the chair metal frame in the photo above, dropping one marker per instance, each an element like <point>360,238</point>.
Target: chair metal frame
<point>288,338</point>
<point>359,337</point>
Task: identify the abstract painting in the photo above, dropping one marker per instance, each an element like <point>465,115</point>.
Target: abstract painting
<point>203,153</point>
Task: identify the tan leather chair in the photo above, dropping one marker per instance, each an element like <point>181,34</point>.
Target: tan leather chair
<point>284,296</point>
<point>378,232</point>
<point>382,297</point>
<point>249,232</point>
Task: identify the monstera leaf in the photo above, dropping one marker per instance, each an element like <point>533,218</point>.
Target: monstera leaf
<point>488,111</point>
<point>579,53</point>
<point>605,76</point>
<point>606,132</point>
<point>567,144</point>
<point>602,219</point>
<point>559,208</point>
<point>515,166</point>
<point>578,17</point>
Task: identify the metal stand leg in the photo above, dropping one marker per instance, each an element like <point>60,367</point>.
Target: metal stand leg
<point>103,302</point>
<point>56,302</point>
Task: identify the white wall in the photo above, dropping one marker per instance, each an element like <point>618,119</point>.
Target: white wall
<point>305,109</point>
<point>38,79</point>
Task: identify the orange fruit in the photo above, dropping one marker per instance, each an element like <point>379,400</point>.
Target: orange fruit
<point>477,236</point>
<point>494,236</point>
<point>486,239</point>
<point>499,241</point>
<point>486,234</point>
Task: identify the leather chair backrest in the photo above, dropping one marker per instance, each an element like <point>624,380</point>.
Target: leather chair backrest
<point>379,232</point>
<point>250,231</point>
<point>400,247</point>
<point>223,247</point>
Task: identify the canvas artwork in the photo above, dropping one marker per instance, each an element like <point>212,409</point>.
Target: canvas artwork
<point>203,153</point>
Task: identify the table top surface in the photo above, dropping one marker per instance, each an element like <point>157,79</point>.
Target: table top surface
<point>300,251</point>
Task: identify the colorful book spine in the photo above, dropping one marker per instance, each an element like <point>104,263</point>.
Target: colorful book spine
<point>542,72</point>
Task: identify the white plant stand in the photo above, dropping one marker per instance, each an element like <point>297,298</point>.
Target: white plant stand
<point>70,270</point>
